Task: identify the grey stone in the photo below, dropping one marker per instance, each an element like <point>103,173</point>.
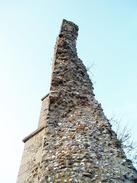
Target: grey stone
<point>74,141</point>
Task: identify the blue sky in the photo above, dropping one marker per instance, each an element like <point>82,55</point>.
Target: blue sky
<point>28,29</point>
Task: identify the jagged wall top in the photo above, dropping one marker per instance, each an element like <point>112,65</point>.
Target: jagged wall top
<point>70,27</point>
<point>66,39</point>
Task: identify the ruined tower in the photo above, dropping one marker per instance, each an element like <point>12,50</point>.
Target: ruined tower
<point>74,141</point>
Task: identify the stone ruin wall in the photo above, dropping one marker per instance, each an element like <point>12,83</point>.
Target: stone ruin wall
<point>32,154</point>
<point>31,157</point>
<point>44,111</point>
<point>74,141</point>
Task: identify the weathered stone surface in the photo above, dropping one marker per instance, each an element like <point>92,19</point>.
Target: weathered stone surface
<point>44,111</point>
<point>32,156</point>
<point>77,143</point>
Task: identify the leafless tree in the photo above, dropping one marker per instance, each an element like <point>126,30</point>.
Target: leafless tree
<point>125,138</point>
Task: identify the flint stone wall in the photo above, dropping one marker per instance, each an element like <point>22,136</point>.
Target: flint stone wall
<point>78,143</point>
